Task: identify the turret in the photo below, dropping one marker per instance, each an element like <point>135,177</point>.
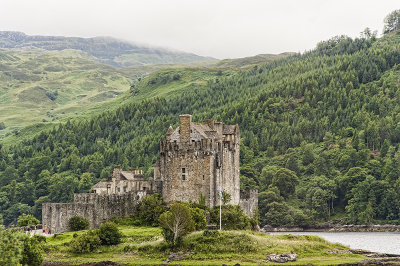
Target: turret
<point>169,132</point>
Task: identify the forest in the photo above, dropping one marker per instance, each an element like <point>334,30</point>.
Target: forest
<point>320,137</point>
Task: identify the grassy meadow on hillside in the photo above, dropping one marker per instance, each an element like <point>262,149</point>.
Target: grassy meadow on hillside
<point>37,86</point>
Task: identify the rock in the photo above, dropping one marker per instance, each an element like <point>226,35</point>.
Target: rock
<point>282,258</point>
<point>178,256</point>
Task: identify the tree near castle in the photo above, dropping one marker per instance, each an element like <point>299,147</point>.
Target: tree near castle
<point>176,223</point>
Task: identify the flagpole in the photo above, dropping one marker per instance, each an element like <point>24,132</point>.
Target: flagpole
<point>220,220</point>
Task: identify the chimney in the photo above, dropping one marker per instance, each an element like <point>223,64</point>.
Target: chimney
<point>184,127</point>
<point>116,172</point>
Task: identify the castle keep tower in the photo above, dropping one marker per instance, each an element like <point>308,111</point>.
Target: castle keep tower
<point>199,159</point>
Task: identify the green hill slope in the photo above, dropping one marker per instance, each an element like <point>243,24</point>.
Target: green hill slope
<point>250,61</point>
<point>40,86</point>
<point>104,50</point>
<point>320,135</point>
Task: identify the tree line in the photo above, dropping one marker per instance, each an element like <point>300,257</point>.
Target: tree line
<point>320,137</point>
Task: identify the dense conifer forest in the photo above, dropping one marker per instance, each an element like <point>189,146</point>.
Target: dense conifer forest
<point>320,137</point>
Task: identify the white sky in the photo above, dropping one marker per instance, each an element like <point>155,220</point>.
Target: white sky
<point>218,28</point>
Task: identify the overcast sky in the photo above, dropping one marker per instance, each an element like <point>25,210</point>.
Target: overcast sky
<point>218,28</point>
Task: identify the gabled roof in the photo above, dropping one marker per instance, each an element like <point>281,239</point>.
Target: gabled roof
<point>229,129</point>
<point>101,184</point>
<point>127,175</point>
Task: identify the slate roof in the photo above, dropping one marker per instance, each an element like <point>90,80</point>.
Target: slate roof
<point>229,129</point>
<point>101,184</point>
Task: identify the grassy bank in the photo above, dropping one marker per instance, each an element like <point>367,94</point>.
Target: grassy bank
<point>145,245</point>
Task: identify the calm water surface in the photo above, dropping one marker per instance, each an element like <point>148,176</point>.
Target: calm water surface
<point>385,242</point>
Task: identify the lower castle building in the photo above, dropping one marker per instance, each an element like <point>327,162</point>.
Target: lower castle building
<point>196,160</point>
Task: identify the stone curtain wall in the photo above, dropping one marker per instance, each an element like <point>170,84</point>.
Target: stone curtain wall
<point>249,201</point>
<point>94,207</point>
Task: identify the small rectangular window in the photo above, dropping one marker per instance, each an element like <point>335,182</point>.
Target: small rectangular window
<point>118,189</point>
<point>124,189</point>
<point>203,177</point>
<point>183,177</point>
<point>183,170</point>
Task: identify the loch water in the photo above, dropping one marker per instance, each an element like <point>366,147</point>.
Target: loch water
<point>383,242</point>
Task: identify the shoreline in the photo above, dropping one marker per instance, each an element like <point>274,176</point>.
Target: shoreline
<point>334,228</point>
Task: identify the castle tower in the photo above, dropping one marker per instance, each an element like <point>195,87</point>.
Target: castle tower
<point>199,159</point>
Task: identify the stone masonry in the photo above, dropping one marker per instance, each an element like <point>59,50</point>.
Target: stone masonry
<point>94,207</point>
<point>199,159</point>
<point>196,159</point>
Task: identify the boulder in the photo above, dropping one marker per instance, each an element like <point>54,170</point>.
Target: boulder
<point>282,258</point>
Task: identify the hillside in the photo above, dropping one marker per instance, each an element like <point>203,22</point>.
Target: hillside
<point>104,50</point>
<point>38,86</point>
<point>320,135</point>
<point>246,62</point>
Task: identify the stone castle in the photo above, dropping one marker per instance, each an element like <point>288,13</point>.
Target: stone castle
<point>196,160</point>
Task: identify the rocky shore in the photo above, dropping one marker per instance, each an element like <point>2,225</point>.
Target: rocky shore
<point>334,228</point>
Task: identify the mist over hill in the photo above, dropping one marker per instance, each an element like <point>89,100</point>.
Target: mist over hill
<point>106,50</point>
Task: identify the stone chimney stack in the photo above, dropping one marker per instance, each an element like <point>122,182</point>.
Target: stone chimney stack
<point>184,127</point>
<point>117,172</point>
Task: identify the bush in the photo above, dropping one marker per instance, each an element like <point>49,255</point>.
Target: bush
<point>2,126</point>
<point>11,247</point>
<point>233,217</point>
<point>87,242</point>
<point>215,242</point>
<point>27,219</point>
<point>199,218</point>
<point>109,234</point>
<point>150,209</point>
<point>33,252</point>
<point>77,223</point>
<point>40,238</point>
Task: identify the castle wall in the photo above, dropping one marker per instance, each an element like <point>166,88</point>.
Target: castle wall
<point>94,207</point>
<point>187,184</point>
<point>249,202</point>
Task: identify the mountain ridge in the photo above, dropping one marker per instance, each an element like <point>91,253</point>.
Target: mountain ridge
<point>103,49</point>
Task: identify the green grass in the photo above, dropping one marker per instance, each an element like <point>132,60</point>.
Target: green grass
<point>145,245</point>
<point>29,76</point>
<point>84,87</point>
<point>250,61</point>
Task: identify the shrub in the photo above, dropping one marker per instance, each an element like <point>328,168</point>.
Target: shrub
<point>215,242</point>
<point>77,223</point>
<point>11,247</point>
<point>27,219</point>
<point>150,209</point>
<point>199,218</point>
<point>87,242</point>
<point>109,234</point>
<point>233,217</point>
<point>40,238</point>
<point>33,252</point>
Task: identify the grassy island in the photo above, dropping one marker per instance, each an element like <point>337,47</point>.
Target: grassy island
<point>146,246</point>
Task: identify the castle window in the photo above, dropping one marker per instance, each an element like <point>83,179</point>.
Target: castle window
<point>118,189</point>
<point>183,173</point>
<point>124,189</point>
<point>203,177</point>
